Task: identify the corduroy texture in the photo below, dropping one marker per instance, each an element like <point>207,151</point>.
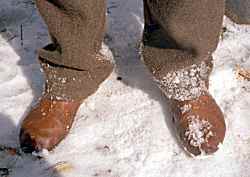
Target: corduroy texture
<point>72,64</point>
<point>180,33</point>
<point>238,11</point>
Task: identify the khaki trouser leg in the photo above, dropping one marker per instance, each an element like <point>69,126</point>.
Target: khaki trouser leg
<point>73,66</point>
<point>179,33</point>
<point>180,37</point>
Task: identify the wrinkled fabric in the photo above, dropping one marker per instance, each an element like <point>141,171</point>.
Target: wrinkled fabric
<point>77,30</point>
<point>73,66</point>
<point>179,34</point>
<point>185,31</point>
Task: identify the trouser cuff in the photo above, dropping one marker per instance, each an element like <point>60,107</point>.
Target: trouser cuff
<point>68,84</point>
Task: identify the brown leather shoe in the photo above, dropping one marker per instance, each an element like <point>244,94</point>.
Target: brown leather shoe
<point>199,124</point>
<point>47,124</point>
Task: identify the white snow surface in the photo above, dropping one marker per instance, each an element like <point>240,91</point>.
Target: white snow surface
<point>123,130</point>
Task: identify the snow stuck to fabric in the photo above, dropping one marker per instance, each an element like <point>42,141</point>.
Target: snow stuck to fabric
<point>124,129</point>
<point>185,84</point>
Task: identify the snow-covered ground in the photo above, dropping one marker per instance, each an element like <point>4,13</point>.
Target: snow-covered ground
<point>122,130</point>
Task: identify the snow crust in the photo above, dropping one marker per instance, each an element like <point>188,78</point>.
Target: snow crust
<point>124,129</point>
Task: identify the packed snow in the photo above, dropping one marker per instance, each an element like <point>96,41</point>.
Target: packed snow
<point>124,129</point>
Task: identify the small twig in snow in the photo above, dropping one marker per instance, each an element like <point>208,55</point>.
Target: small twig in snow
<point>242,73</point>
<point>22,35</point>
<point>10,150</point>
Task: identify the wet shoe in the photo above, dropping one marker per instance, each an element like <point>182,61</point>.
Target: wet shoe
<point>198,120</point>
<point>199,124</point>
<point>47,124</point>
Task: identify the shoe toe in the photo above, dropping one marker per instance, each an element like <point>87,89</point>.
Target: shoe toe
<point>28,145</point>
<point>200,126</point>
